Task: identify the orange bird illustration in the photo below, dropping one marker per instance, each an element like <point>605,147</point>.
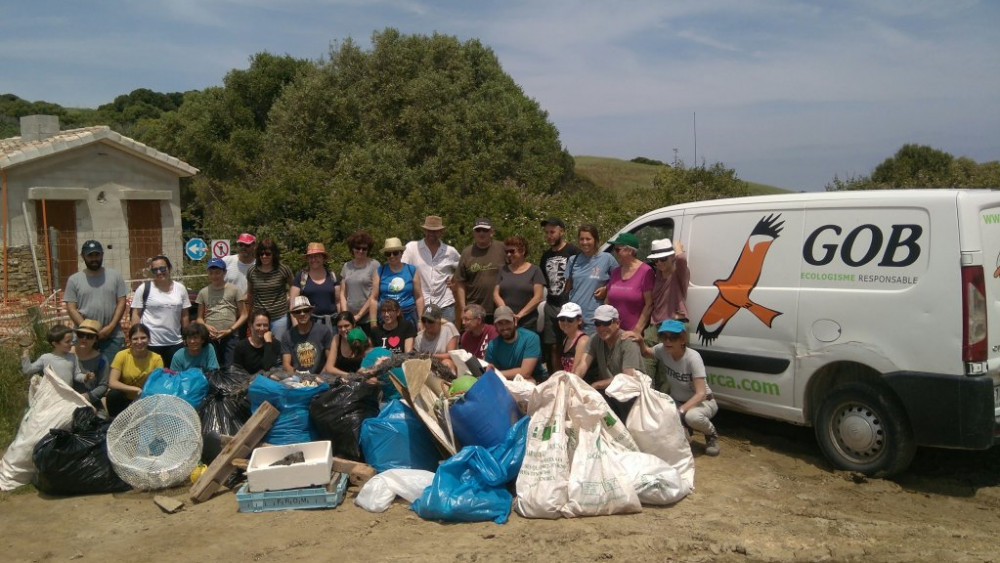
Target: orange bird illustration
<point>734,291</point>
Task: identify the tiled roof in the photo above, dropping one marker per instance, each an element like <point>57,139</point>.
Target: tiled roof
<point>15,150</point>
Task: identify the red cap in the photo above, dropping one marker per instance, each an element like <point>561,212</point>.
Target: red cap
<point>246,238</point>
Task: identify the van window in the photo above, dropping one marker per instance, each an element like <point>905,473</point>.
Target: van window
<point>656,230</point>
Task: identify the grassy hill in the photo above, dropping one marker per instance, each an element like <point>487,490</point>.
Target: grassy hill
<point>622,175</point>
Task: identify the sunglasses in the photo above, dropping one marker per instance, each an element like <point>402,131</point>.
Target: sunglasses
<point>361,248</point>
<point>663,259</point>
<point>243,245</point>
<point>394,253</point>
<point>159,270</point>
<point>302,312</point>
<point>621,248</point>
<point>86,336</point>
<point>267,253</point>
<point>602,323</point>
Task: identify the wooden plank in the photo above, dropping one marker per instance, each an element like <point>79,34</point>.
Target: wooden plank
<point>359,473</point>
<point>240,447</point>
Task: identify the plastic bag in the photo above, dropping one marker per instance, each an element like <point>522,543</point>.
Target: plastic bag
<point>471,486</point>
<point>397,439</point>
<point>292,425</point>
<point>51,402</point>
<point>654,480</point>
<point>225,409</point>
<point>337,414</point>
<point>484,414</point>
<point>521,390</point>
<point>75,462</point>
<point>654,423</point>
<point>598,483</point>
<point>378,493</point>
<point>190,385</point>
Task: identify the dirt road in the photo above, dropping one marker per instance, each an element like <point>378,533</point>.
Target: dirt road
<point>770,496</point>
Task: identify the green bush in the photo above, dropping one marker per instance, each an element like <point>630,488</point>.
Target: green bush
<point>13,394</point>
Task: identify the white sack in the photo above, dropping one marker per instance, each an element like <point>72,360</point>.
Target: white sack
<point>598,483</point>
<point>378,493</point>
<point>654,480</point>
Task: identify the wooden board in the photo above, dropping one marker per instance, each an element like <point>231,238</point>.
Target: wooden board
<point>240,447</point>
<point>359,473</point>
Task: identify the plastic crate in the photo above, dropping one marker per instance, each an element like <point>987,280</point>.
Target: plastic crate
<point>295,499</point>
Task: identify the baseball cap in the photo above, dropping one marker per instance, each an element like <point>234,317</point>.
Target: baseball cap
<point>90,247</point>
<point>606,313</point>
<point>554,221</point>
<point>431,313</point>
<point>570,311</point>
<point>300,302</point>
<point>216,263</point>
<point>672,325</point>
<point>482,224</point>
<point>504,313</point>
<point>246,238</point>
<point>627,239</point>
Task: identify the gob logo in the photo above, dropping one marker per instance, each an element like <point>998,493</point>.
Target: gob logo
<point>902,241</point>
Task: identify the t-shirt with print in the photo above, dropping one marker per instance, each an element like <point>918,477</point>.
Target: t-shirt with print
<point>587,274</point>
<point>478,269</point>
<point>438,345</point>
<point>395,339</point>
<point>476,344</point>
<point>270,290</point>
<point>308,351</point>
<point>628,296</point>
<point>222,305</point>
<point>517,290</point>
<point>96,296</point>
<point>162,312</point>
<point>681,373</point>
<point>553,266</point>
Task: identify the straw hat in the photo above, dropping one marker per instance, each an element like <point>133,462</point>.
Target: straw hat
<point>316,248</point>
<point>392,243</point>
<point>89,326</point>
<point>433,223</point>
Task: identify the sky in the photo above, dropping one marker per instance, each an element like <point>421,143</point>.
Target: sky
<point>787,93</point>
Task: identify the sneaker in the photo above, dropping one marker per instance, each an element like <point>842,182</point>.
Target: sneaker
<point>712,445</point>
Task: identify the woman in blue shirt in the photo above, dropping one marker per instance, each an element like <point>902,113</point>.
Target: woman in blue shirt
<point>587,275</point>
<point>399,281</point>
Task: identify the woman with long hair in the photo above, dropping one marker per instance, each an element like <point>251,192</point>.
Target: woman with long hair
<point>394,332</point>
<point>260,351</point>
<point>348,346</point>
<point>162,306</point>
<point>519,284</point>
<point>268,283</point>
<point>587,275</point>
<point>130,368</point>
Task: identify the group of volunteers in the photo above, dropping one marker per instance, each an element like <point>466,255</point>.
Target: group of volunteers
<point>578,309</point>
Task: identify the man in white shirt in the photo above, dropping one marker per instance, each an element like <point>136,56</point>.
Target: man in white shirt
<point>436,262</point>
<point>238,264</point>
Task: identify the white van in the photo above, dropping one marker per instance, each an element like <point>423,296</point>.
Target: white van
<point>873,316</point>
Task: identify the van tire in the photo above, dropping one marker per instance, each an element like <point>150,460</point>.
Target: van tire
<point>862,428</point>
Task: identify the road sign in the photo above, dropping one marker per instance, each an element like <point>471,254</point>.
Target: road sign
<point>196,249</point>
<point>220,248</point>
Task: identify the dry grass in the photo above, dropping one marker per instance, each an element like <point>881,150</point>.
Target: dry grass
<point>622,175</point>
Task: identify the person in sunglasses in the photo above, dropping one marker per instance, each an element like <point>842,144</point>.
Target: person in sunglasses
<point>359,277</point>
<point>268,285</point>
<point>612,353</point>
<point>400,281</point>
<point>686,378</point>
<point>304,347</point>
<point>96,367</point>
<point>670,284</point>
<point>162,306</point>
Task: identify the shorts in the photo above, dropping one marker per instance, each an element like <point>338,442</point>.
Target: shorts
<point>551,334</point>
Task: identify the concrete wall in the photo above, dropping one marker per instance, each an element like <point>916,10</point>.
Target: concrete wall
<point>105,177</point>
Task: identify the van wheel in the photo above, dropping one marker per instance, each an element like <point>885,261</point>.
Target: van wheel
<point>861,428</point>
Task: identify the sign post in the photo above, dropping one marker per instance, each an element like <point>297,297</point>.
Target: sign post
<point>196,249</point>
<point>220,248</point>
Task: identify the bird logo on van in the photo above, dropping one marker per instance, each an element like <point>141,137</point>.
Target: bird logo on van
<point>734,291</point>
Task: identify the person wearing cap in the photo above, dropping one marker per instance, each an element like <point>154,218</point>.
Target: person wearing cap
<point>222,309</point>
<point>685,381</point>
<point>162,306</point>
<point>575,341</point>
<point>611,353</point>
<point>478,333</point>
<point>630,286</point>
<point>268,285</point>
<point>96,367</point>
<point>348,347</point>
<point>400,281</point>
<point>98,293</point>
<point>358,277</point>
<point>237,265</point>
<point>436,261</point>
<point>587,275</point>
<point>515,350</point>
<point>478,269</point>
<point>670,283</point>
<point>437,336</point>
<point>553,265</point>
<point>319,284</point>
<point>305,346</point>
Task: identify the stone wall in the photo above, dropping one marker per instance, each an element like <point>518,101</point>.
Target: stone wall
<point>21,275</point>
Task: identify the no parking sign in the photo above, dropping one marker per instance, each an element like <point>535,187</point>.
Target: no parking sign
<point>220,248</point>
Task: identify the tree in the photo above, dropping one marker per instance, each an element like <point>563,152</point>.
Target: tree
<point>919,166</point>
<point>679,184</point>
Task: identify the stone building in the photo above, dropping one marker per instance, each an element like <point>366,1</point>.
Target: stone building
<point>89,183</point>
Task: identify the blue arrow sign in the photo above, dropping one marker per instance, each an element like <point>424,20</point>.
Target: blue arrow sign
<point>196,249</point>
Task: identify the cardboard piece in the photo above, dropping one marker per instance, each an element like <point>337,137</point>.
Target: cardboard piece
<point>422,392</point>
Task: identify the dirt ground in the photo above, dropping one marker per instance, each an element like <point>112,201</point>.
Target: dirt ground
<point>770,496</point>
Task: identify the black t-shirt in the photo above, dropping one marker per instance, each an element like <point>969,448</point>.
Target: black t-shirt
<point>553,265</point>
<point>393,339</point>
<point>256,360</point>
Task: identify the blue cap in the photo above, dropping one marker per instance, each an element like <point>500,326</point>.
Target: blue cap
<point>673,325</point>
<point>216,263</point>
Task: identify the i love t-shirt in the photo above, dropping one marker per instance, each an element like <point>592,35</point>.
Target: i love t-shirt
<point>393,339</point>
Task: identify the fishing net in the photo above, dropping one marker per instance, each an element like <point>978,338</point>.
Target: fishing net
<point>155,442</point>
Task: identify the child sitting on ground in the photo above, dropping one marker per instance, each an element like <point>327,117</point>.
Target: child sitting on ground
<point>196,352</point>
<point>60,360</point>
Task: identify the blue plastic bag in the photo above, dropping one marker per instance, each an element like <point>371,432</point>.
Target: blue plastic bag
<point>397,439</point>
<point>292,425</point>
<point>471,486</point>
<point>190,385</point>
<point>485,413</point>
<point>389,391</point>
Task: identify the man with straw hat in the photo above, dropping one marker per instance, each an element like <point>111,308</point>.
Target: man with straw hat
<point>436,262</point>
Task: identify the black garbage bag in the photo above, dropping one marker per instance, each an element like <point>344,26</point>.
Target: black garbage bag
<point>338,413</point>
<point>75,462</point>
<point>225,409</point>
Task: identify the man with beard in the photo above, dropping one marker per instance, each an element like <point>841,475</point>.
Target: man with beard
<point>237,266</point>
<point>305,346</point>
<point>553,265</point>
<point>98,293</point>
<point>516,350</point>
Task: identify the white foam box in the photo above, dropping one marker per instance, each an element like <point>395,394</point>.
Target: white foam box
<point>314,471</point>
